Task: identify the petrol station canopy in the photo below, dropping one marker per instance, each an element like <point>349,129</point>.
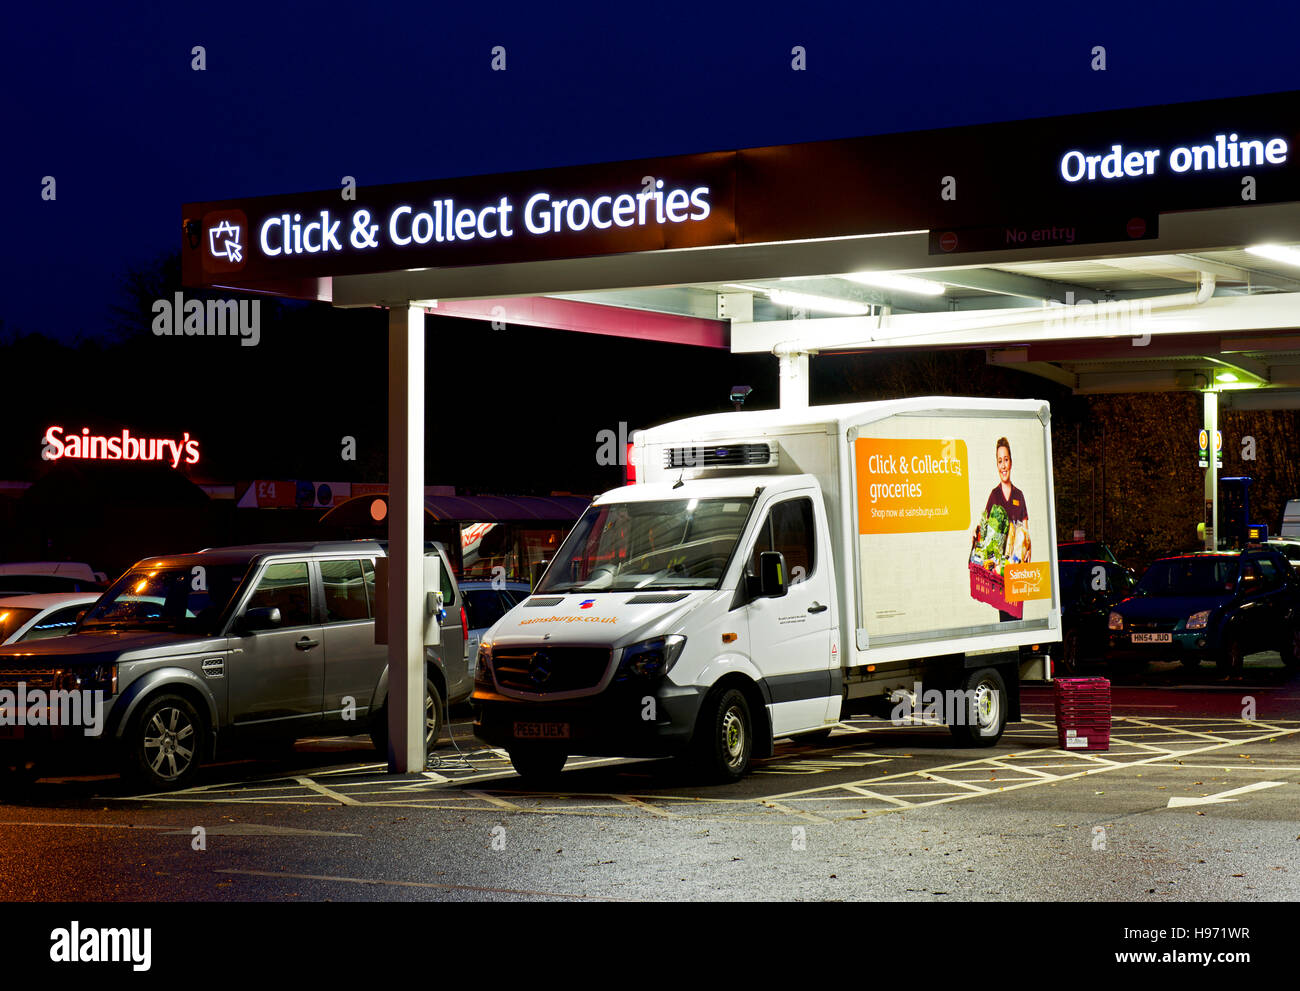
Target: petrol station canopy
<point>1132,250</point>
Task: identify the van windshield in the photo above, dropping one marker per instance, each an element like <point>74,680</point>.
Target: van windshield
<point>190,599</point>
<point>674,544</point>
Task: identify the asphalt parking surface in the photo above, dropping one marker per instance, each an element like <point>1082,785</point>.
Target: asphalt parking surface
<point>1191,802</point>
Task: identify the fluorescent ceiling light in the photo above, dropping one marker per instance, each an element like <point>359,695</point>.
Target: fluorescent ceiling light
<point>903,283</point>
<point>1277,252</point>
<point>1235,386</point>
<point>827,304</point>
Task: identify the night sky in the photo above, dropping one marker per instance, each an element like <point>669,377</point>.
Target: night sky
<point>107,103</point>
<point>295,97</point>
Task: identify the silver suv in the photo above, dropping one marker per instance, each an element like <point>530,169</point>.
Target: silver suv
<point>234,646</point>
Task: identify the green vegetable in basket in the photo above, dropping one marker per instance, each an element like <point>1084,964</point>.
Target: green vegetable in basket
<point>998,519</point>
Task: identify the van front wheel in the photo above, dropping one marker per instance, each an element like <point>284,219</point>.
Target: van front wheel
<point>537,765</point>
<point>724,737</point>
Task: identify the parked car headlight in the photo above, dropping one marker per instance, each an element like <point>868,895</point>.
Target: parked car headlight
<point>1116,621</point>
<point>1198,620</point>
<point>100,678</point>
<point>651,658</point>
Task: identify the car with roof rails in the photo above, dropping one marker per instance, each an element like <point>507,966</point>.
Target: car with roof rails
<point>1210,606</point>
<point>237,647</point>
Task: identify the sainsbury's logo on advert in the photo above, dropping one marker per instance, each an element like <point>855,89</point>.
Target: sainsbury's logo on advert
<point>1028,581</point>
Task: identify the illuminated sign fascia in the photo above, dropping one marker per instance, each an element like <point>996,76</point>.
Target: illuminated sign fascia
<point>1226,151</point>
<point>85,446</point>
<point>445,221</point>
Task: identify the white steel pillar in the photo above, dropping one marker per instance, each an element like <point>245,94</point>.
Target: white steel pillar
<point>1212,471</point>
<point>793,372</point>
<point>406,539</point>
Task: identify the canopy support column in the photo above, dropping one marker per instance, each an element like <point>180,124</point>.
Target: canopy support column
<point>406,605</point>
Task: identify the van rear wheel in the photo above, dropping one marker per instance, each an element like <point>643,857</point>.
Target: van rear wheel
<point>980,716</point>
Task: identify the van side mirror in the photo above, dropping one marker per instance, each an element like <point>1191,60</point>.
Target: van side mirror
<point>262,618</point>
<point>535,571</point>
<point>771,574</point>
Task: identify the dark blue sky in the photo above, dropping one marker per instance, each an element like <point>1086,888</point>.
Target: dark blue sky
<point>293,98</point>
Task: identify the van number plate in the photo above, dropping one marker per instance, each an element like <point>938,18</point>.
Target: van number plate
<point>541,731</point>
<point>1153,637</point>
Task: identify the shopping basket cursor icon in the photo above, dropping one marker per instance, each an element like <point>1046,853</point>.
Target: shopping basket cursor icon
<point>223,241</point>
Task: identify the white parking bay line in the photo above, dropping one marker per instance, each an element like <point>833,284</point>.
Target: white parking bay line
<point>646,806</point>
<point>328,792</point>
<point>418,884</point>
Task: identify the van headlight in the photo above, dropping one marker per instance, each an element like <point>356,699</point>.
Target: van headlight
<point>1198,620</point>
<point>650,658</point>
<point>483,666</point>
<point>1115,622</point>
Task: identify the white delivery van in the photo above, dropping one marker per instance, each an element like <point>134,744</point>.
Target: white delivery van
<point>772,571</point>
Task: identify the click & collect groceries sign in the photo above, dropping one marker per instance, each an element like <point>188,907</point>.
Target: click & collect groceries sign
<point>907,486</point>
<point>554,213</point>
<point>446,221</point>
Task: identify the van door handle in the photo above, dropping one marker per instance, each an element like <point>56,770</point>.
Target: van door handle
<point>306,644</point>
<point>816,608</point>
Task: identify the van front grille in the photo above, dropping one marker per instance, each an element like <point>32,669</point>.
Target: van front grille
<point>546,670</point>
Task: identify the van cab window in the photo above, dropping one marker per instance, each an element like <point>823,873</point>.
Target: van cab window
<point>789,528</point>
<point>345,591</point>
<point>285,587</point>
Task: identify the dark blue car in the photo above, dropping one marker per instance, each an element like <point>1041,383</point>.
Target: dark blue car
<point>1089,590</point>
<point>1217,606</point>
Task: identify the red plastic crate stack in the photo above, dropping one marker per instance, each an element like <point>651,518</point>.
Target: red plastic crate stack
<point>1082,713</point>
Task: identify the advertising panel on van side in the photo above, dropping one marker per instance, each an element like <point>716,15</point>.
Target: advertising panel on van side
<point>952,510</point>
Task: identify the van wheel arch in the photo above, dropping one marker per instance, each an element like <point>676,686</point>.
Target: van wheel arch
<point>761,728</point>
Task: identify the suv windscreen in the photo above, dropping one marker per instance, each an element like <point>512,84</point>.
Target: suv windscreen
<point>188,598</point>
<point>1190,576</point>
<point>678,543</point>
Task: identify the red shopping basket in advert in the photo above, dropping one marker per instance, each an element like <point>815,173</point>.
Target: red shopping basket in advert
<point>987,586</point>
<point>1082,713</point>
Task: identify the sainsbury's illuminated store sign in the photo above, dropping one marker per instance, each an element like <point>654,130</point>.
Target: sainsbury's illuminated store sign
<point>86,446</point>
<point>445,221</point>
